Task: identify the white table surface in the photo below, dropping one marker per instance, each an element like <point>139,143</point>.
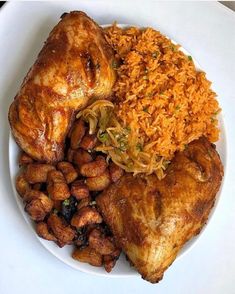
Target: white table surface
<point>207,30</point>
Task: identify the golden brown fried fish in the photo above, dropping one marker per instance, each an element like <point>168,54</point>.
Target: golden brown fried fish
<point>73,68</point>
<point>151,219</point>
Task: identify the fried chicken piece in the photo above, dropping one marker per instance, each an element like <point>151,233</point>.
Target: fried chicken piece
<point>151,220</point>
<point>74,68</point>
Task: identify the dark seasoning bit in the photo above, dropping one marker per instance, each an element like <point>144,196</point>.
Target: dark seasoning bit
<point>115,64</point>
<point>145,109</point>
<point>69,207</point>
<point>155,54</point>
<point>139,147</point>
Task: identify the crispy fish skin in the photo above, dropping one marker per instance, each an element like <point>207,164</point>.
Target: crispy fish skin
<point>151,220</point>
<point>73,69</point>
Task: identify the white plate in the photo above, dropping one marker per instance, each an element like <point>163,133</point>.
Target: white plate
<point>122,268</point>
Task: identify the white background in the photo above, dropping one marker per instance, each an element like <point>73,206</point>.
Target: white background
<point>207,30</point>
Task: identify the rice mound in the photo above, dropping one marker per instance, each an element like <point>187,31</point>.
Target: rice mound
<point>159,92</point>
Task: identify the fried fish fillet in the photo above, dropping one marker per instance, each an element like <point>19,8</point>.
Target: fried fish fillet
<point>152,219</point>
<point>73,68</point>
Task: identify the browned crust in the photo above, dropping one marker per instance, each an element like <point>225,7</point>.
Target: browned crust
<point>63,79</point>
<point>151,220</point>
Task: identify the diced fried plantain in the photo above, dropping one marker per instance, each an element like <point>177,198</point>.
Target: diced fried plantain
<point>43,232</point>
<point>88,142</point>
<point>81,156</point>
<point>84,202</point>
<point>115,172</point>
<point>86,215</point>
<point>98,183</point>
<point>24,159</point>
<point>109,263</point>
<point>88,255</point>
<point>37,172</point>
<point>57,186</point>
<point>39,207</point>
<point>68,171</point>
<point>64,233</point>
<point>37,186</point>
<point>77,133</point>
<point>33,194</point>
<point>99,242</point>
<point>79,190</point>
<point>94,168</point>
<point>22,186</point>
<point>57,204</point>
<point>70,154</point>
